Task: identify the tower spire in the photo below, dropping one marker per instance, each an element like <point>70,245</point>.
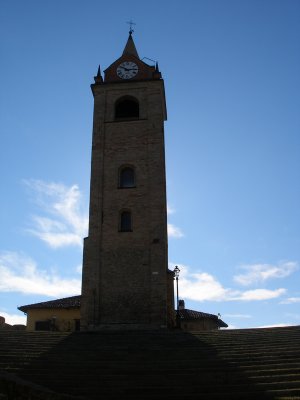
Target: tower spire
<point>130,48</point>
<point>98,78</point>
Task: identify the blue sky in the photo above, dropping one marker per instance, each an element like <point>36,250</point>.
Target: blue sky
<point>231,71</point>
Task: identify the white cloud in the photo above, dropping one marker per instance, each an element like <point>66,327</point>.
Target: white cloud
<point>170,209</point>
<point>280,325</point>
<point>258,273</point>
<point>13,319</point>
<point>202,286</point>
<point>174,231</point>
<point>230,326</point>
<point>259,294</point>
<point>19,273</point>
<point>291,300</point>
<point>237,316</point>
<point>65,224</point>
<point>78,269</point>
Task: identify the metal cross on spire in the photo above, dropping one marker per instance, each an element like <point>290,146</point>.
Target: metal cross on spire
<point>130,23</point>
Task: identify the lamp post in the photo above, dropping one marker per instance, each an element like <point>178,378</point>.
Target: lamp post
<point>176,277</point>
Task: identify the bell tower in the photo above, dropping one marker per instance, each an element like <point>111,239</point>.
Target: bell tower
<point>125,258</point>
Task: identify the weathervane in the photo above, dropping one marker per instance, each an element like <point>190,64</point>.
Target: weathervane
<point>130,23</point>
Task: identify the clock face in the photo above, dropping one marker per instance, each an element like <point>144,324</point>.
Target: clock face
<point>127,70</point>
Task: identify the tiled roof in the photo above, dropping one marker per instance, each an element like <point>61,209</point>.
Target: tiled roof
<point>67,302</point>
<point>186,314</point>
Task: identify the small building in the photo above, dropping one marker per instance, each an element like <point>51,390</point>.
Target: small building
<point>191,320</point>
<point>56,315</point>
<point>64,315</point>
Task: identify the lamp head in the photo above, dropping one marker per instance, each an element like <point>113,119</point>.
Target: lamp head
<point>176,271</point>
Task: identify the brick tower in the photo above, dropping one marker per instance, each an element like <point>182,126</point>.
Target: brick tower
<point>125,275</point>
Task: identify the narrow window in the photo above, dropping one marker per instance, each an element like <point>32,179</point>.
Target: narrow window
<point>126,178</point>
<point>77,324</point>
<point>127,107</point>
<point>125,222</point>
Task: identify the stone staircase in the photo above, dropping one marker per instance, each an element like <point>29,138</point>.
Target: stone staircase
<point>137,365</point>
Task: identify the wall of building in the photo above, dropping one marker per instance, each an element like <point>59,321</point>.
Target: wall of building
<point>125,273</point>
<point>63,320</point>
<point>66,320</point>
<point>203,324</point>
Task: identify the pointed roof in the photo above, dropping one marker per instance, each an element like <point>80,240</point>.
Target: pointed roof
<point>98,78</point>
<point>130,47</point>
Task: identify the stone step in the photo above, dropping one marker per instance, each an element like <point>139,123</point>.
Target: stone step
<point>66,380</point>
<point>142,365</point>
<point>145,390</point>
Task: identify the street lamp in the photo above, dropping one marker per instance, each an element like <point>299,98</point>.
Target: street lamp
<point>176,277</point>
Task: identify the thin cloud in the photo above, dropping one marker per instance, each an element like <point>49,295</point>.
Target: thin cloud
<point>78,269</point>
<point>259,294</point>
<point>170,209</point>
<point>63,222</point>
<point>239,316</point>
<point>259,273</point>
<point>291,300</point>
<point>202,286</point>
<point>20,273</point>
<point>293,315</point>
<point>174,232</point>
<point>280,325</point>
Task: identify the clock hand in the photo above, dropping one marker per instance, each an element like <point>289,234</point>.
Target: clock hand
<point>129,69</point>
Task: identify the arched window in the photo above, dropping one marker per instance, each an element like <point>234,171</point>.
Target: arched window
<point>127,107</point>
<point>126,177</point>
<point>125,221</point>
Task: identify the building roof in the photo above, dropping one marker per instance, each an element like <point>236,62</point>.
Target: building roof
<point>67,302</point>
<point>188,315</point>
